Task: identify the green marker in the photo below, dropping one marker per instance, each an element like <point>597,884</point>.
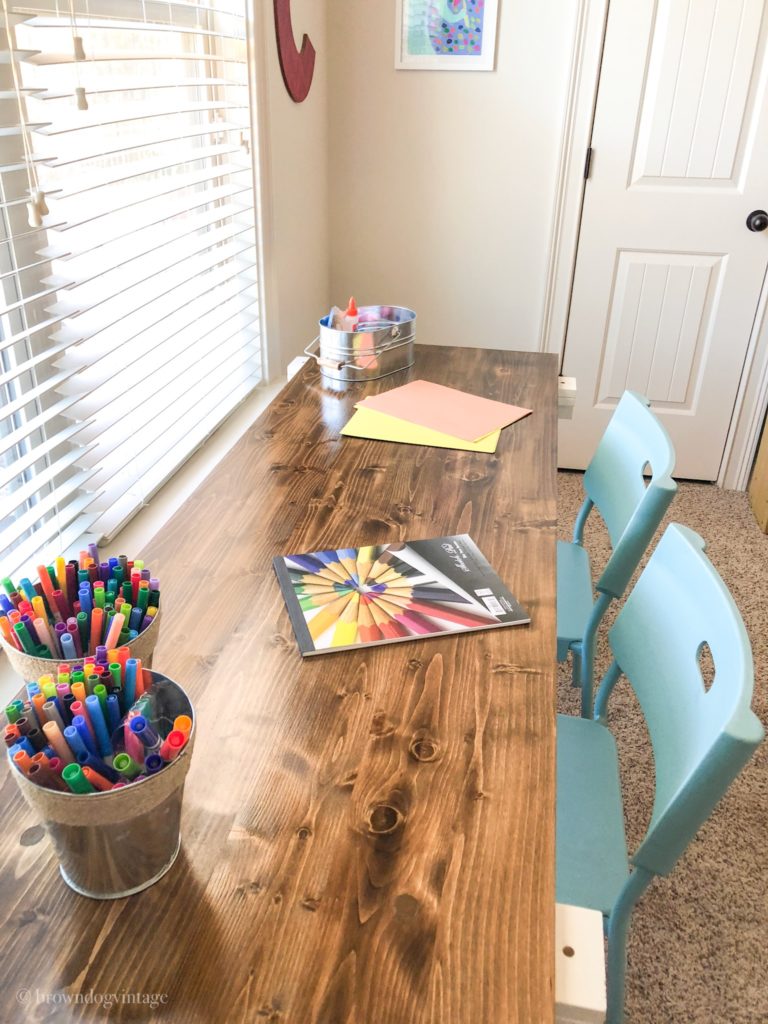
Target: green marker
<point>100,691</point>
<point>12,713</point>
<point>98,597</point>
<point>52,573</point>
<point>125,764</point>
<point>8,586</point>
<point>143,599</point>
<point>74,778</point>
<point>49,690</point>
<point>114,671</point>
<point>84,629</point>
<point>25,639</point>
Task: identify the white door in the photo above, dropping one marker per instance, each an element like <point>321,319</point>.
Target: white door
<point>668,275</point>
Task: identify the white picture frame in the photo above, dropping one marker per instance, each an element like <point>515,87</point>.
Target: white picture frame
<point>438,35</point>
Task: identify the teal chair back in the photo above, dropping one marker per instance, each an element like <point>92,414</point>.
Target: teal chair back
<point>615,486</point>
<point>632,510</point>
<point>701,737</point>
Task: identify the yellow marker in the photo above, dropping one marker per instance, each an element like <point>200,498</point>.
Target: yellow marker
<point>39,608</point>
<point>61,573</point>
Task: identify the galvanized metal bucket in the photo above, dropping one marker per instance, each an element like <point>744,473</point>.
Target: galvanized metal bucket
<point>118,842</point>
<point>382,344</point>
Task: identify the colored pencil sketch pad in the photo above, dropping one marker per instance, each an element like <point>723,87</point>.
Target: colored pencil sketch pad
<point>446,410</point>
<point>355,597</point>
<point>377,425</point>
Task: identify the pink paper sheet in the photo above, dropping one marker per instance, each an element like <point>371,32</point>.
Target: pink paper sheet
<point>445,409</point>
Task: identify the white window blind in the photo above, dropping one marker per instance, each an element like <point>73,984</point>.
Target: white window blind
<point>129,325</point>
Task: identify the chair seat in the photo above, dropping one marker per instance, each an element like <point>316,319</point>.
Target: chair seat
<point>574,595</point>
<point>591,848</point>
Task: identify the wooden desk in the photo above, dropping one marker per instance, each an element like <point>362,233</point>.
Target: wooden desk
<point>327,874</point>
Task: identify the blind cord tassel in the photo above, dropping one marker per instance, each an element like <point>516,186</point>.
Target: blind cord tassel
<point>79,49</point>
<point>37,208</point>
<point>82,101</point>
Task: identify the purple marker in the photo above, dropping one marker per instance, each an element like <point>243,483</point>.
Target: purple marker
<point>31,629</point>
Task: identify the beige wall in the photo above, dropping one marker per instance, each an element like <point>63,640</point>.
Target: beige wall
<point>441,184</point>
<point>295,161</point>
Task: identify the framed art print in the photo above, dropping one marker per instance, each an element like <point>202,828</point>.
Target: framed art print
<point>446,35</point>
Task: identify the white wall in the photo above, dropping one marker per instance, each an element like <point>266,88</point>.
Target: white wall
<point>295,161</point>
<point>441,184</point>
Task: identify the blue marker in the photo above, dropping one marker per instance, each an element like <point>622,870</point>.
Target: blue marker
<point>140,727</point>
<point>86,603</point>
<point>79,722</point>
<point>93,704</point>
<point>67,646</point>
<point>130,682</point>
<point>75,740</point>
<point>153,763</point>
<point>22,744</point>
<point>113,712</point>
<point>98,766</point>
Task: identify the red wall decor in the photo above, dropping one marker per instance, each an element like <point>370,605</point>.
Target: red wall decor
<point>297,66</point>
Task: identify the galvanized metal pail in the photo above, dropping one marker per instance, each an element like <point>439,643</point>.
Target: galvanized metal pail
<point>118,842</point>
<point>381,344</point>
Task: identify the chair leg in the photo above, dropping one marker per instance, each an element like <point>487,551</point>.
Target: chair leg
<point>587,674</point>
<point>618,928</point>
<point>576,663</point>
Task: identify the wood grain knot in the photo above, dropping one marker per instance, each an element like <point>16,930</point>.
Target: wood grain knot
<point>424,749</point>
<point>31,836</point>
<point>310,903</point>
<point>382,724</point>
<point>304,832</point>
<point>384,820</point>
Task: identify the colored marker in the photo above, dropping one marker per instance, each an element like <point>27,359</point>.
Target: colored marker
<point>172,745</point>
<point>77,782</point>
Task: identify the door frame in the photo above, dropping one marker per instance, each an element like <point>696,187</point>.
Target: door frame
<point>751,403</point>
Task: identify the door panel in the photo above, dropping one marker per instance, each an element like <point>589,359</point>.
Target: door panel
<point>668,277</point>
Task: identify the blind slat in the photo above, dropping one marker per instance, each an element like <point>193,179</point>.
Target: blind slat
<point>58,496</point>
<point>125,224</point>
<point>149,194</point>
<point>39,451</point>
<point>103,410</point>
<point>40,480</point>
<point>177,297</point>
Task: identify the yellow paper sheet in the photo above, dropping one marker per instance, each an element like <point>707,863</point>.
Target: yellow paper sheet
<point>380,427</point>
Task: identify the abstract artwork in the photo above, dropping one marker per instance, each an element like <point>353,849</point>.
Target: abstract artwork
<point>440,35</point>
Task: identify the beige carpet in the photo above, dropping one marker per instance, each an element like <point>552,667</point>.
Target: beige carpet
<point>699,937</point>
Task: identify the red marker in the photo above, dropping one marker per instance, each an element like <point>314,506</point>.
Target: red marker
<point>172,745</point>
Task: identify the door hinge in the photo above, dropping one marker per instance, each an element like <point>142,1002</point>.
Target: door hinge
<point>588,163</point>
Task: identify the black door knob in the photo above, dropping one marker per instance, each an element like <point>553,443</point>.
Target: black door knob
<point>757,220</point>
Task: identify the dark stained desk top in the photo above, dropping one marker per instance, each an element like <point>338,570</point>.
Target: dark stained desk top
<point>331,871</point>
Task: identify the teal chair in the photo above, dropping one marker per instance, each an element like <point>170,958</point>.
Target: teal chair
<point>701,739</point>
<point>615,485</point>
